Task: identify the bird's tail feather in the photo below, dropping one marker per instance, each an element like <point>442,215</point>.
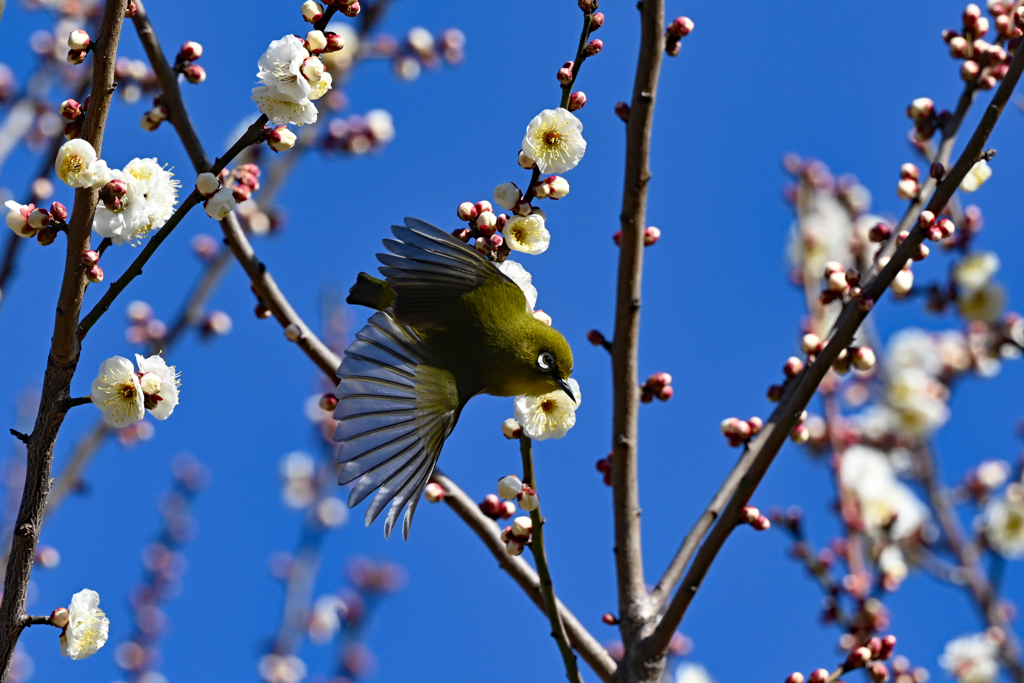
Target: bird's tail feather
<point>394,412</point>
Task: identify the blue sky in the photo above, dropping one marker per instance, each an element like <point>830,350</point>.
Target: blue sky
<point>752,83</point>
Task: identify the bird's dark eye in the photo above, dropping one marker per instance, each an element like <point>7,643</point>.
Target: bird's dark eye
<point>545,361</point>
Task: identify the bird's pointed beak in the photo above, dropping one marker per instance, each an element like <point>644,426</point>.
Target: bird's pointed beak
<point>564,384</point>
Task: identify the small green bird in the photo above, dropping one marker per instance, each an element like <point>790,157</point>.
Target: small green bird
<point>450,326</point>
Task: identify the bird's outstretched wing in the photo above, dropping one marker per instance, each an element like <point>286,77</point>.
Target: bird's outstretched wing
<point>394,412</point>
<point>430,271</point>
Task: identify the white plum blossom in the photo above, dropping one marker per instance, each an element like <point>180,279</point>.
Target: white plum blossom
<point>78,166</point>
<point>688,672</point>
<point>123,395</point>
<point>919,401</point>
<point>971,659</point>
<point>892,564</point>
<point>381,125</point>
<point>275,668</point>
<point>975,270</point>
<point>913,348</point>
<point>150,200</point>
<point>554,140</point>
<point>527,234</point>
<point>882,498</point>
<point>1004,525</point>
<point>550,416</point>
<point>117,392</point>
<point>87,627</point>
<point>161,392</point>
<point>976,177</point>
<point>985,304</point>
<point>285,94</point>
<point>518,275</point>
<point>220,204</point>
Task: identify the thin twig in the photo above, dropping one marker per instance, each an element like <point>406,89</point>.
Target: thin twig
<point>64,353</point>
<point>547,588</point>
<point>483,526</point>
<point>760,452</point>
<point>634,614</point>
<point>969,559</point>
<point>27,621</point>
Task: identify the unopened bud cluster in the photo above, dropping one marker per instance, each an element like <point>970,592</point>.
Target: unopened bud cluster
<point>738,432</point>
<point>79,43</point>
<point>517,536</point>
<point>908,187</point>
<point>28,220</point>
<point>839,283</point>
<point>983,63</point>
<point>496,508</point>
<point>604,466</point>
<point>75,115</point>
<point>870,656</point>
<point>511,488</point>
<point>313,11</point>
<point>184,63</point>
<point>242,180</point>
<point>484,225</point>
<point>658,385</point>
<point>752,516</point>
<point>159,113</point>
<point>674,34</point>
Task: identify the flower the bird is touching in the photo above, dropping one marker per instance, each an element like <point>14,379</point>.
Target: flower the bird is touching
<point>518,275</point>
<point>527,234</point>
<point>87,627</point>
<point>287,89</point>
<point>78,166</point>
<point>554,140</point>
<point>550,416</point>
<point>152,193</point>
<point>123,395</point>
<point>450,325</point>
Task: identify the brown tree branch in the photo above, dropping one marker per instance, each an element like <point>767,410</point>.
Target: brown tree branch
<point>634,613</point>
<point>540,557</point>
<point>483,526</point>
<point>968,557</point>
<point>760,452</point>
<point>63,356</point>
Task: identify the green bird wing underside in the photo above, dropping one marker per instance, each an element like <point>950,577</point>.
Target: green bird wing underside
<point>394,412</point>
<point>430,272</point>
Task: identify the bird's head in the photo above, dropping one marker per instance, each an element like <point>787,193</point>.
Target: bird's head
<point>543,360</point>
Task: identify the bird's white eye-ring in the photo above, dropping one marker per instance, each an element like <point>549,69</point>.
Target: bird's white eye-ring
<point>545,361</point>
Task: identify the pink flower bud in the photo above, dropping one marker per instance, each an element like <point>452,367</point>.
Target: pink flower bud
<point>131,10</point>
<point>585,5</point>
<point>514,547</point>
<point>47,236</point>
<point>756,425</point>
<point>525,161</point>
<point>194,73</point>
<point>334,42</point>
<point>90,258</point>
<point>800,434</point>
<point>969,70</point>
<point>879,672</point>
<point>863,358</point>
<point>328,402</point>
<point>522,527</point>
<point>617,237</point>
<point>577,101</point>
<point>793,367</point>
<point>71,110</point>
<point>557,186</point>
<point>76,56</point>
<point>818,676</point>
<point>909,170</point>
<point>858,657</point>
<point>595,337</point>
<point>190,51</point>
<point>596,21</point>
<point>888,644</point>
<point>434,492</point>
<point>810,343</point>
<point>496,240</point>
<point>510,429</point>
<point>528,499</point>
<point>58,212</point>
<point>622,111</point>
<point>564,76</point>
<point>795,677</point>
<point>609,618</point>
<point>60,617</point>
<point>280,138</point>
<point>651,236</point>
<point>921,108</point>
<point>262,312</point>
<point>467,211</point>
<point>315,42</point>
<point>312,11</point>
<point>483,206</point>
<point>987,82</point>
<point>750,514</point>
<point>775,392</point>
<point>510,487</point>
<point>79,40</point>
<point>921,253</point>
<point>906,188</point>
<point>593,47</point>
<point>351,9</point>
<point>981,26</point>
<point>39,219</point>
<point>680,27</point>
<point>879,233</point>
<point>94,273</point>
